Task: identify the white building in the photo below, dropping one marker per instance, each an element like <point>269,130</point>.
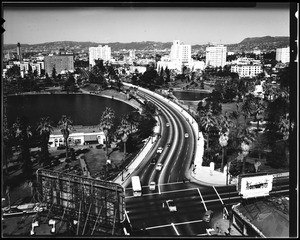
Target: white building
<point>216,56</point>
<point>180,52</point>
<point>132,54</point>
<point>197,65</point>
<point>99,52</point>
<point>246,70</point>
<point>283,55</point>
<point>77,139</point>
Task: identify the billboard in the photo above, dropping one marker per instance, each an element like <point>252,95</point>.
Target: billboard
<point>254,186</point>
<point>96,205</point>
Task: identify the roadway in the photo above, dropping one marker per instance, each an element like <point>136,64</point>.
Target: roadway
<point>149,212</point>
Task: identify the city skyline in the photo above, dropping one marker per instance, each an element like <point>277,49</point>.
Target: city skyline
<point>136,24</point>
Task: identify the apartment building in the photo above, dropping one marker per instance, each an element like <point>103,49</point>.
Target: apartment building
<point>180,52</point>
<point>59,62</point>
<point>216,56</point>
<point>283,55</point>
<point>99,52</point>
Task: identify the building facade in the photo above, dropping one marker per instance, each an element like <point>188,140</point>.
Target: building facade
<point>283,55</point>
<point>19,52</point>
<point>99,52</point>
<point>216,56</point>
<point>247,70</point>
<point>180,52</point>
<point>59,62</point>
<point>77,139</point>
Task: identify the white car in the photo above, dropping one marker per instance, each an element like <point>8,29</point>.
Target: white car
<point>168,124</point>
<point>171,206</point>
<point>152,186</point>
<point>186,135</point>
<point>159,167</point>
<point>159,150</point>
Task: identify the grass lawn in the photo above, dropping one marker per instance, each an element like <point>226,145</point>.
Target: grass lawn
<point>96,159</point>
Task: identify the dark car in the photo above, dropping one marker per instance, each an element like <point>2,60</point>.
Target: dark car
<point>153,161</point>
<point>207,216</point>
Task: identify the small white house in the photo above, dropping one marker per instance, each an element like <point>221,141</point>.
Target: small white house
<point>77,139</point>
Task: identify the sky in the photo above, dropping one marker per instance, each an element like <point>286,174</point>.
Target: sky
<point>190,25</point>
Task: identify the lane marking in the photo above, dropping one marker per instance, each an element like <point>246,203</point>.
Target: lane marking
<point>220,199</point>
<point>128,218</point>
<point>175,224</point>
<point>218,194</point>
<point>202,199</point>
<point>175,229</point>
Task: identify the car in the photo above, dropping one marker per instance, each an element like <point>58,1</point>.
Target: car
<point>186,135</point>
<point>159,167</point>
<point>160,149</point>
<point>168,124</point>
<point>154,161</point>
<point>168,144</point>
<point>152,186</point>
<point>207,216</point>
<point>171,206</point>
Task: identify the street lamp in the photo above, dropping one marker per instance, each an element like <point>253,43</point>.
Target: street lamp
<point>223,140</point>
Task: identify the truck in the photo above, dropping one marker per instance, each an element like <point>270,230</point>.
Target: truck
<point>136,186</point>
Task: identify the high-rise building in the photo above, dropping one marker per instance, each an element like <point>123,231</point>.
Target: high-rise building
<point>59,62</point>
<point>19,52</point>
<point>99,52</point>
<point>180,52</point>
<point>283,55</point>
<point>216,56</point>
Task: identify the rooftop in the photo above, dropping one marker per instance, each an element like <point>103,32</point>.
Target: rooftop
<point>269,217</point>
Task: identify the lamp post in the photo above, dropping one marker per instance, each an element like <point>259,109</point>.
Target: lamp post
<point>223,140</point>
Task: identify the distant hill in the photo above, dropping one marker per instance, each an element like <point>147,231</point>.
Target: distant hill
<point>268,39</point>
<point>263,43</point>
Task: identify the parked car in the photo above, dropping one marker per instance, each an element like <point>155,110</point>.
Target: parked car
<point>171,206</point>
<point>159,167</point>
<point>186,135</point>
<point>152,186</point>
<point>207,216</point>
<point>160,149</point>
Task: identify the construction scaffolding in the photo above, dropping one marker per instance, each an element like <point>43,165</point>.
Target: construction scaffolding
<point>92,205</point>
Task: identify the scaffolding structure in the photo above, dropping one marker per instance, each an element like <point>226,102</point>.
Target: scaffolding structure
<point>91,205</point>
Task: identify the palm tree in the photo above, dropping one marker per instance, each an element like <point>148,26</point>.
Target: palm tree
<point>65,125</point>
<point>106,124</point>
<point>123,130</point>
<point>246,137</point>
<point>247,105</point>
<point>22,133</point>
<point>285,126</point>
<point>207,121</point>
<point>44,129</point>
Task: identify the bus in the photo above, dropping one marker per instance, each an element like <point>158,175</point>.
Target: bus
<point>136,186</point>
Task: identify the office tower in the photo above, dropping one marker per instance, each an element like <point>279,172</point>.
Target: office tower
<point>59,62</point>
<point>180,52</point>
<point>216,56</point>
<point>99,52</point>
<point>19,52</point>
<point>283,55</point>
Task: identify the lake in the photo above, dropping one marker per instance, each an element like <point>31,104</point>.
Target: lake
<point>83,109</point>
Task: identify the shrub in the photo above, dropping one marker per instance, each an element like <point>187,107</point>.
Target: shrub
<point>236,168</point>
